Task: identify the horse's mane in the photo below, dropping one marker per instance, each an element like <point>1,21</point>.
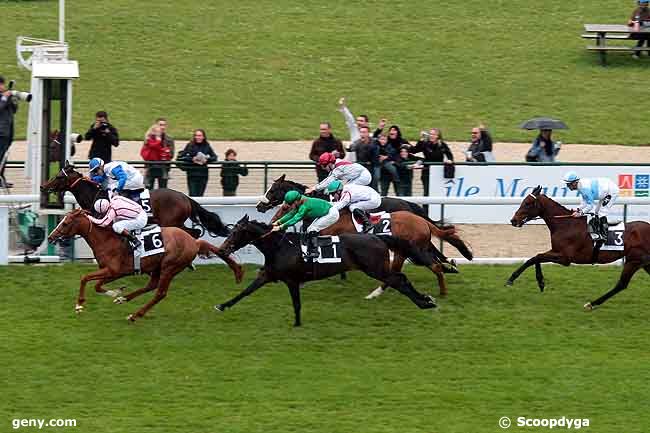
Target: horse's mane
<point>292,184</point>
<point>260,225</point>
<point>560,210</point>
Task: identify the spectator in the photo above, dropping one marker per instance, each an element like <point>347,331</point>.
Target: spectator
<point>395,138</point>
<point>367,153</point>
<point>434,149</point>
<point>640,18</point>
<point>156,149</point>
<point>8,107</point>
<point>355,125</point>
<point>326,142</point>
<point>104,137</point>
<point>386,171</point>
<point>168,141</point>
<point>544,149</point>
<point>195,156</point>
<point>230,172</point>
<point>406,164</point>
<point>480,149</point>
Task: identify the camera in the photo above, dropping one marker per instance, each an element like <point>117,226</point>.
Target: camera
<point>425,136</point>
<point>23,96</point>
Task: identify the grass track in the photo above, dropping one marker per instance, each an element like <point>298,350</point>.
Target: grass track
<point>272,70</point>
<point>355,366</point>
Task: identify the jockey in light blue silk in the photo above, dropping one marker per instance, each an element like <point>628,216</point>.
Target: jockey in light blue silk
<point>117,176</point>
<point>598,196</point>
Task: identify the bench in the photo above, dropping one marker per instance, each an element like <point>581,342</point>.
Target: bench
<point>604,32</point>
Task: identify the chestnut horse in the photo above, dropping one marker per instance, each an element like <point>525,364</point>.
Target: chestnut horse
<point>115,259</point>
<point>571,243</point>
<point>410,227</point>
<point>170,208</point>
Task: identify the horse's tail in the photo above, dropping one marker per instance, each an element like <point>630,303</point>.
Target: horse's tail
<point>207,250</point>
<point>450,235</point>
<point>421,212</point>
<point>210,221</point>
<point>408,250</point>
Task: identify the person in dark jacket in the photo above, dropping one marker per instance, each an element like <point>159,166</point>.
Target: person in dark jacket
<point>367,152</point>
<point>195,157</point>
<point>230,172</point>
<point>8,107</point>
<point>386,170</point>
<point>544,149</point>
<point>480,148</point>
<point>326,142</point>
<point>434,149</point>
<point>640,19</point>
<point>406,164</point>
<point>104,137</point>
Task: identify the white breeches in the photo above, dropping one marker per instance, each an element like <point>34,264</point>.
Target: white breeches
<point>603,210</point>
<point>366,205</point>
<point>133,224</point>
<point>324,221</point>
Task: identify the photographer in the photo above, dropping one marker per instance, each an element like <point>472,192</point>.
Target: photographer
<point>8,107</point>
<point>104,136</point>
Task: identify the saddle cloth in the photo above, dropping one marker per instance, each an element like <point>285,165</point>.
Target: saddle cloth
<point>329,250</point>
<point>379,220</point>
<point>615,237</point>
<point>151,243</point>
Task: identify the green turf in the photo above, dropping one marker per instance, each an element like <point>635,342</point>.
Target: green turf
<point>355,365</point>
<point>273,70</point>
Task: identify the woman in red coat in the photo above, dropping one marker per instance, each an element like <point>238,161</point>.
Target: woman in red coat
<point>155,149</point>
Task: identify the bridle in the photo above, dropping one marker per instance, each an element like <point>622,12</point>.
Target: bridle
<point>528,219</point>
<point>59,237</point>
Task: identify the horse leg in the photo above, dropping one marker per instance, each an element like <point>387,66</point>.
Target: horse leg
<point>151,285</point>
<point>233,265</point>
<point>395,266</point>
<point>256,284</point>
<point>163,286</point>
<point>398,281</point>
<point>629,269</point>
<point>294,290</point>
<point>548,256</point>
<point>100,274</point>
<point>100,290</point>
<point>437,269</point>
<point>539,276</point>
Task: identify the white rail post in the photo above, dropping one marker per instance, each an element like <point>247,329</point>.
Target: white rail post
<point>4,235</point>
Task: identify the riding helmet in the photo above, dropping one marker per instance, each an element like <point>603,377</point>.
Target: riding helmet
<point>95,163</point>
<point>291,196</point>
<point>326,159</point>
<point>334,186</point>
<point>101,206</point>
<point>571,177</point>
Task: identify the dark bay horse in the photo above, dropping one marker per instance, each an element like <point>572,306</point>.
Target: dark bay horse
<point>283,261</point>
<point>170,208</point>
<point>275,196</point>
<point>407,226</point>
<point>571,243</point>
<point>115,259</point>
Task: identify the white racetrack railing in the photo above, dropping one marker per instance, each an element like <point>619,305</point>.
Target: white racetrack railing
<point>12,200</point>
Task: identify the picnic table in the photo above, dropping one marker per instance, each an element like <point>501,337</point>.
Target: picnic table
<point>605,32</point>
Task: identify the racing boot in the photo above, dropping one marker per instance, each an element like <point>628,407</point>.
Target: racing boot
<point>133,240</point>
<point>361,215</point>
<point>604,228</point>
<point>312,245</point>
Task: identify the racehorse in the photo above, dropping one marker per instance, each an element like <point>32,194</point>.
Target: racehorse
<point>283,261</point>
<point>274,196</point>
<point>115,259</point>
<point>170,208</point>
<point>572,243</point>
<point>407,226</point>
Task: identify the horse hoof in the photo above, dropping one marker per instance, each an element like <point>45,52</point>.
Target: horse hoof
<point>120,300</point>
<point>430,302</point>
<point>375,293</point>
<point>450,267</point>
<point>220,308</point>
<point>114,293</point>
<point>131,318</point>
<point>78,308</point>
<point>509,283</point>
<point>589,307</point>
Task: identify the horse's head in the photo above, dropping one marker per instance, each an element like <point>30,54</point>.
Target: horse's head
<point>529,209</point>
<point>244,233</point>
<point>63,180</point>
<point>74,223</point>
<point>275,194</point>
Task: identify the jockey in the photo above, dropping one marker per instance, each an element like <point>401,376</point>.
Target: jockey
<point>598,195</point>
<point>125,214</point>
<point>117,176</point>
<point>340,169</point>
<point>359,198</point>
<point>321,211</point>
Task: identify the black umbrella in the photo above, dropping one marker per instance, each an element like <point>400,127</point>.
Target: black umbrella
<point>543,123</point>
